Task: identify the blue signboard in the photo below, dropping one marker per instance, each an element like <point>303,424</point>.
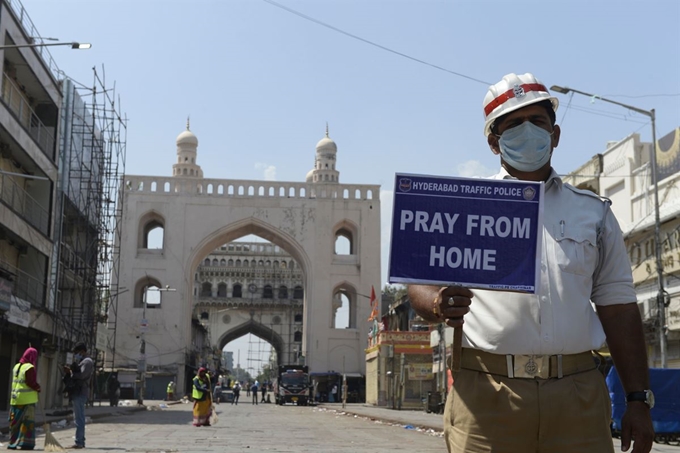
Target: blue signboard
<point>479,233</point>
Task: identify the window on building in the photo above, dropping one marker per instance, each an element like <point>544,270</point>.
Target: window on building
<point>283,292</point>
<point>267,292</point>
<point>146,292</point>
<point>206,289</point>
<point>222,290</point>
<point>344,242</point>
<point>298,293</point>
<point>236,292</point>
<point>343,310</point>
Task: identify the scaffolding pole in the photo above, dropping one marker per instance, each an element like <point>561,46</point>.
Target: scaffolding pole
<point>92,166</point>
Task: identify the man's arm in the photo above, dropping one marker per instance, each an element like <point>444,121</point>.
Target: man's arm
<point>625,338</point>
<point>85,368</point>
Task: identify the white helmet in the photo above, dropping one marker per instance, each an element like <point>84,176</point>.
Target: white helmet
<point>512,93</point>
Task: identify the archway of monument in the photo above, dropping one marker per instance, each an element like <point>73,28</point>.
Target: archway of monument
<point>248,278</point>
<point>243,228</point>
<point>262,332</point>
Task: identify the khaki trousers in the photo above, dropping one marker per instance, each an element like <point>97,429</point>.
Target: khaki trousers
<point>491,413</point>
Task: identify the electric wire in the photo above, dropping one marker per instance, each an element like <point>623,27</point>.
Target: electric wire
<point>374,44</point>
<point>409,57</point>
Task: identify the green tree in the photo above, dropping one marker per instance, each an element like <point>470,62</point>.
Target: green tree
<point>394,292</point>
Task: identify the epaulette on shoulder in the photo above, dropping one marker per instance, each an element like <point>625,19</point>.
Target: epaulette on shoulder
<point>586,192</point>
<point>605,204</point>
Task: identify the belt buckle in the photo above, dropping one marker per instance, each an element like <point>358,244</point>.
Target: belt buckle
<point>531,366</point>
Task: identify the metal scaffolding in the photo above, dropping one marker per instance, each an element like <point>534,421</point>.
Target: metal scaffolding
<point>89,208</point>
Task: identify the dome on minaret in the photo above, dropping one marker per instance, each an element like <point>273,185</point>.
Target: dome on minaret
<point>324,162</point>
<point>187,138</point>
<point>186,165</point>
<point>326,144</point>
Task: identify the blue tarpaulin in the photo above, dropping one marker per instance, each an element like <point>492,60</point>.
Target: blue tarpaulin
<point>665,383</point>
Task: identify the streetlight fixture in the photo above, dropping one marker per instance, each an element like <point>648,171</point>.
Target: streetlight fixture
<point>74,45</point>
<point>661,294</point>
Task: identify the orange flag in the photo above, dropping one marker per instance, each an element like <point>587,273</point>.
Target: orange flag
<point>374,305</point>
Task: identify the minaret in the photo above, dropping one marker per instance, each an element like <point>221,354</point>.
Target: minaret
<point>186,166</point>
<point>324,164</point>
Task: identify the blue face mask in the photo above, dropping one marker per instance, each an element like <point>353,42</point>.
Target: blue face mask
<point>77,357</point>
<point>526,147</point>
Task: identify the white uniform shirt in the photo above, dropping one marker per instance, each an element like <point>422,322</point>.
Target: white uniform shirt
<point>561,319</point>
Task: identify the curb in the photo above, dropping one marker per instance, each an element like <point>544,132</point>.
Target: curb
<point>385,418</point>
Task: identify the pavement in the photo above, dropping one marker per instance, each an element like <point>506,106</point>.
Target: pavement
<point>418,419</point>
<point>95,411</point>
<point>410,419</point>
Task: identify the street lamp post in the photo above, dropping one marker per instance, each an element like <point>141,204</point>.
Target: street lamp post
<point>660,295</point>
<point>74,45</point>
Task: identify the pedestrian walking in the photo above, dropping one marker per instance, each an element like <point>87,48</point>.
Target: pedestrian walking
<point>170,391</point>
<point>254,389</point>
<point>217,394</point>
<point>334,394</point>
<point>79,373</point>
<point>236,390</point>
<point>23,399</point>
<point>263,390</point>
<point>113,389</point>
<point>527,378</point>
<point>202,398</point>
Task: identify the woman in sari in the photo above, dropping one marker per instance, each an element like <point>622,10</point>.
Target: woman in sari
<point>23,399</point>
<point>202,398</point>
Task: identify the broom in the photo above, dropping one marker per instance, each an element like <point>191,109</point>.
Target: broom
<point>51,442</point>
<point>213,416</point>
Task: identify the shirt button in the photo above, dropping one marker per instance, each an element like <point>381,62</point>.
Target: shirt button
<point>546,337</point>
<point>544,298</point>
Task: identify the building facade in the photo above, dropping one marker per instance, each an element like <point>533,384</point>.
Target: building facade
<point>623,173</point>
<point>400,365</point>
<point>55,175</point>
<point>197,217</point>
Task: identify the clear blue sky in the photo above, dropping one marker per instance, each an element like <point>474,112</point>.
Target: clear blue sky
<point>260,82</point>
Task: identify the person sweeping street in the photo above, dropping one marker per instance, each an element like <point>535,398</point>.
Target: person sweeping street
<point>23,400</point>
<point>202,398</point>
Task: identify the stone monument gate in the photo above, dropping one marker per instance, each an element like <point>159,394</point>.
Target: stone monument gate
<point>198,216</point>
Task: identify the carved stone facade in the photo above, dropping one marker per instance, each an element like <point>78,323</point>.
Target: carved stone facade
<point>197,217</point>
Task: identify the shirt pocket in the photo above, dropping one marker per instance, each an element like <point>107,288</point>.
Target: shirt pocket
<point>576,250</point>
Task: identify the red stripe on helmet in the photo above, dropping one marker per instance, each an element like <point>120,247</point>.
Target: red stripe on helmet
<point>501,99</point>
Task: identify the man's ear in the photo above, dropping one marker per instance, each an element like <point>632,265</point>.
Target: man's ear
<point>556,136</point>
<point>492,140</point>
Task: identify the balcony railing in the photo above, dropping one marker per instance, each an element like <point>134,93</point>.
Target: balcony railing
<point>26,286</point>
<point>30,30</point>
<point>22,203</point>
<point>19,105</point>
